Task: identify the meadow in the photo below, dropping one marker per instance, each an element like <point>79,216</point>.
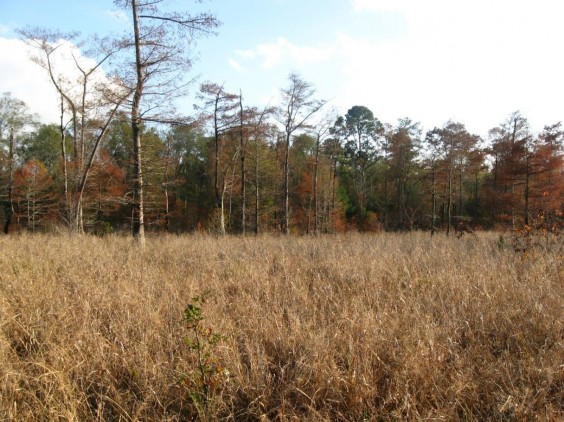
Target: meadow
<point>336,328</point>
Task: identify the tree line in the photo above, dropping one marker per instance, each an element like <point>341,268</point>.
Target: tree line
<point>292,168</point>
<point>121,158</point>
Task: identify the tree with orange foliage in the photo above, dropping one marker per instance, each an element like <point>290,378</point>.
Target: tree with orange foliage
<point>543,172</point>
<point>106,189</point>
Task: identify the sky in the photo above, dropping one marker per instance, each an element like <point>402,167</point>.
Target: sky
<point>430,60</point>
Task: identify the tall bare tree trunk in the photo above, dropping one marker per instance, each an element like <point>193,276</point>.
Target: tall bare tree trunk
<point>386,198</point>
<point>333,219</point>
<point>138,225</point>
<point>243,169</point>
<point>495,189</point>
<point>286,199</point>
<point>10,200</point>
<point>167,199</point>
<point>527,185</point>
<point>315,196</point>
<point>449,202</point>
<point>434,202</point>
<point>64,160</point>
<point>257,191</point>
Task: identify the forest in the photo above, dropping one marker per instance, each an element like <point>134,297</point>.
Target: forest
<point>240,169</point>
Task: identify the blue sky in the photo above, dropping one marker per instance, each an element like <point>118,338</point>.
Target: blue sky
<point>433,60</point>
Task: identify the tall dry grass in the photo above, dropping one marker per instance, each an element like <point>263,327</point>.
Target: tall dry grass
<point>348,328</point>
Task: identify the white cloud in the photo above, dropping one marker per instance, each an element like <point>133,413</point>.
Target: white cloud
<point>272,53</point>
<point>283,51</point>
<point>4,29</point>
<point>27,81</point>
<point>380,5</point>
<point>118,15</point>
<point>246,54</point>
<point>235,65</point>
<point>472,61</point>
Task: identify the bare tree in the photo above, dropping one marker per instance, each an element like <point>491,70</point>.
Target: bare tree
<point>221,110</point>
<point>322,129</point>
<point>297,108</point>
<point>90,98</point>
<point>243,138</point>
<point>258,122</point>
<point>161,42</point>
<point>14,118</point>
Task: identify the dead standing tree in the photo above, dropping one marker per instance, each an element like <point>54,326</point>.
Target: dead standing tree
<point>161,43</point>
<point>322,130</point>
<point>89,101</point>
<point>259,128</point>
<point>297,107</point>
<point>221,110</point>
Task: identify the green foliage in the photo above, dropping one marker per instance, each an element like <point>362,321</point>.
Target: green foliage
<point>118,140</point>
<point>104,229</point>
<point>205,382</point>
<point>45,145</point>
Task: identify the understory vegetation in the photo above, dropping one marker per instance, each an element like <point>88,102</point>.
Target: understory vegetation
<point>346,328</point>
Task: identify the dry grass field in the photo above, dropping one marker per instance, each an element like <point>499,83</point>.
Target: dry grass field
<point>345,328</point>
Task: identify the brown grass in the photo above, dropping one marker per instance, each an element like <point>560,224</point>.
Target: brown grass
<point>348,328</point>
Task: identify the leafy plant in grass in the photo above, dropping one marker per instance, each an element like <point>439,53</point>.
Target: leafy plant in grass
<point>545,233</point>
<point>207,379</point>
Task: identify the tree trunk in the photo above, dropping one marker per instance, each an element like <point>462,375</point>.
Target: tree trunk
<point>476,197</point>
<point>243,169</point>
<point>217,195</point>
<point>460,194</point>
<point>334,197</point>
<point>138,212</point>
<point>286,206</point>
<point>308,230</point>
<point>386,199</point>
<point>449,203</point>
<point>222,208</point>
<point>138,225</point>
<point>315,196</point>
<point>495,189</point>
<point>64,161</point>
<point>527,186</point>
<point>167,199</point>
<point>399,193</point>
<point>257,218</point>
<point>232,184</point>
<point>434,203</point>
<point>10,200</point>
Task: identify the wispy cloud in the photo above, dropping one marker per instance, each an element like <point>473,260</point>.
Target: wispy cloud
<point>236,65</point>
<point>118,15</point>
<point>246,54</point>
<point>4,29</point>
<point>382,5</point>
<point>283,51</point>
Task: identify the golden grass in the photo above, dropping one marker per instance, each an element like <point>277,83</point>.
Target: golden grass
<point>348,328</point>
